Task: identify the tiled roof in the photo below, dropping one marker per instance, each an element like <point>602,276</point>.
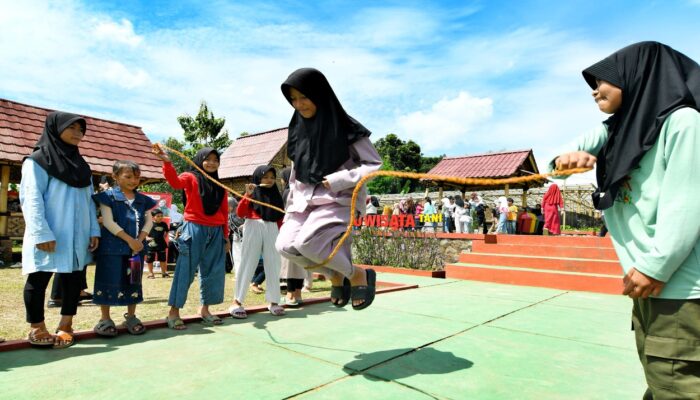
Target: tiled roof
<point>491,165</point>
<point>21,126</point>
<point>248,152</point>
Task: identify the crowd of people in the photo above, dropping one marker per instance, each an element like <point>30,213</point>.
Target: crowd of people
<point>645,153</point>
<point>470,214</point>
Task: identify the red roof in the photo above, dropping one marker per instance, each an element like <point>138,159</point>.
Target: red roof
<point>247,152</point>
<point>491,165</point>
<point>105,142</point>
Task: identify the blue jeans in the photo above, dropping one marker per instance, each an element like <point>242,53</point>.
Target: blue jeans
<point>502,223</point>
<point>201,247</point>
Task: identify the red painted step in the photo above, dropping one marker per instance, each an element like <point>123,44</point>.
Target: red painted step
<point>558,264</point>
<point>598,253</point>
<point>580,282</point>
<point>536,240</point>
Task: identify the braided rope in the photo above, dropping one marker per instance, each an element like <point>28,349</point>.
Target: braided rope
<point>397,174</point>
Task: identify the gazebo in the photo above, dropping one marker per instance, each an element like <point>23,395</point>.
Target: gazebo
<point>106,141</point>
<point>497,165</point>
<point>241,158</point>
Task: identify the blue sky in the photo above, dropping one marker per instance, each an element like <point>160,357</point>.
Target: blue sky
<point>457,77</point>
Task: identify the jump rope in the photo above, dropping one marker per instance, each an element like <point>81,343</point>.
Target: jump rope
<point>410,175</point>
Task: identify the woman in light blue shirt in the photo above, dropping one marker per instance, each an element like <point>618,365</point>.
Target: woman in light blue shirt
<point>61,224</point>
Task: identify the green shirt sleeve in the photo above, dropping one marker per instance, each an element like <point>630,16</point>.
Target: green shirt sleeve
<point>591,143</point>
<point>678,214</point>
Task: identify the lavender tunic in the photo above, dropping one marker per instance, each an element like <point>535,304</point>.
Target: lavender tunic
<point>316,216</point>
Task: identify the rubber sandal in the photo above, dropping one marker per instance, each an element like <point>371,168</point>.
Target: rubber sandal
<point>176,324</point>
<point>132,322</point>
<point>86,297</point>
<point>365,293</point>
<point>341,293</point>
<point>54,303</point>
<point>256,290</point>
<point>211,320</point>
<point>238,312</point>
<point>165,275</point>
<point>276,310</point>
<point>151,276</point>
<point>40,337</point>
<point>294,303</point>
<point>106,328</point>
<point>65,337</point>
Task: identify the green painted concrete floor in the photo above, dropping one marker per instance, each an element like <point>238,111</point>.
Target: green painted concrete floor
<point>445,340</point>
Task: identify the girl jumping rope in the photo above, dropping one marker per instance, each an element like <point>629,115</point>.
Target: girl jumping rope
<point>330,152</point>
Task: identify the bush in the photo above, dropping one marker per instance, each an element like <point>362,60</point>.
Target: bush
<point>405,249</point>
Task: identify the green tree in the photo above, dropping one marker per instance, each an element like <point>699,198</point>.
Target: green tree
<point>399,155</point>
<point>205,130</point>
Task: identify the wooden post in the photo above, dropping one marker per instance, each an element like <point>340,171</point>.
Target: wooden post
<point>4,188</point>
<point>563,195</point>
<point>439,194</point>
<point>505,191</point>
<point>524,198</point>
<point>5,243</point>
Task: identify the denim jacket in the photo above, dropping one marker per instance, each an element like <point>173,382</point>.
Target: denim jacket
<point>125,216</point>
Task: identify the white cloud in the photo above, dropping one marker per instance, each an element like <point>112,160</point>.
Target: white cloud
<point>447,123</point>
<point>122,32</point>
<point>119,74</point>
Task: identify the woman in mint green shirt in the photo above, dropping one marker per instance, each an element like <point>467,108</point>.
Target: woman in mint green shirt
<point>647,156</point>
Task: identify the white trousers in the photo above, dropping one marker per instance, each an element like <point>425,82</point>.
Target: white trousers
<point>259,239</point>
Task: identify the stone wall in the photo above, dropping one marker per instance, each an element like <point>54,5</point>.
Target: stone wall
<point>452,248</point>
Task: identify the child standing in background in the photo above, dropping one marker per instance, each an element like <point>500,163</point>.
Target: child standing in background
<point>157,245</point>
<point>512,216</point>
<point>61,224</point>
<point>203,240</point>
<point>125,225</point>
<point>261,228</point>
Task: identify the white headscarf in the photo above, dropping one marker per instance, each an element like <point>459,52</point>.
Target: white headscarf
<point>502,204</point>
<point>175,216</point>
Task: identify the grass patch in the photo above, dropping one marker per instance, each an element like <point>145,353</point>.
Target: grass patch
<point>154,306</point>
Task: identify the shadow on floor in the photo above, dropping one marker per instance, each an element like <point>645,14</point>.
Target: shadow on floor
<point>390,365</point>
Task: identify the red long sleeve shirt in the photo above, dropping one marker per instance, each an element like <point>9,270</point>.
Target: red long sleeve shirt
<point>194,211</point>
<point>245,210</point>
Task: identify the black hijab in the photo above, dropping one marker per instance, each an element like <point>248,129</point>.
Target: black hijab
<point>212,195</point>
<point>286,173</point>
<point>319,145</point>
<point>655,81</point>
<point>266,195</point>
<point>60,159</point>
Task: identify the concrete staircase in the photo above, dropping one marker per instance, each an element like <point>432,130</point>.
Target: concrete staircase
<point>583,263</point>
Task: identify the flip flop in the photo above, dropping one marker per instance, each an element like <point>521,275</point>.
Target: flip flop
<point>276,310</point>
<point>131,323</point>
<point>342,293</point>
<point>65,337</point>
<point>106,328</point>
<point>176,324</point>
<point>211,320</point>
<point>365,293</point>
<point>39,337</point>
<point>238,312</point>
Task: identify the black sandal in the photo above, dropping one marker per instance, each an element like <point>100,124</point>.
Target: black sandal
<point>341,294</point>
<point>365,293</point>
